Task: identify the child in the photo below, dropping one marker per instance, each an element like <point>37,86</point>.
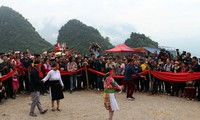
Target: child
<point>15,84</point>
<point>2,91</point>
<point>110,85</point>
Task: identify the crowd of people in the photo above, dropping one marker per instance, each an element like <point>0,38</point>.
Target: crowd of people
<point>19,83</point>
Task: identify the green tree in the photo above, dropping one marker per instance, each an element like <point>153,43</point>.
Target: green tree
<point>140,40</point>
<point>16,33</point>
<point>79,36</point>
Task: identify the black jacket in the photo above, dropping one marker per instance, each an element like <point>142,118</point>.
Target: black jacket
<point>129,71</point>
<point>5,68</point>
<point>196,68</point>
<point>35,82</point>
<point>100,66</point>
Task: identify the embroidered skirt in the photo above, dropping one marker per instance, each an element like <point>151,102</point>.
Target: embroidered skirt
<point>110,102</point>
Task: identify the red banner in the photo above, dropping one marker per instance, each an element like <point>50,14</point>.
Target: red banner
<point>70,73</point>
<point>56,48</point>
<point>176,77</point>
<point>59,47</point>
<point>96,72</point>
<point>103,74</point>
<point>167,76</point>
<point>8,75</point>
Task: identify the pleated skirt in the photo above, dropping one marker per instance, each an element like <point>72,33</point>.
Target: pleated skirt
<point>55,90</point>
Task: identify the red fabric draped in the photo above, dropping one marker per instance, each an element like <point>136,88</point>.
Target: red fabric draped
<point>8,75</point>
<point>176,77</point>
<point>96,72</point>
<point>70,73</point>
<point>103,74</point>
<point>167,76</point>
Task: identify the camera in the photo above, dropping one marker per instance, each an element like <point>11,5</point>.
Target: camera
<point>184,53</point>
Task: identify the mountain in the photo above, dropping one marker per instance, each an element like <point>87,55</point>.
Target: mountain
<point>79,36</point>
<point>16,33</point>
<point>140,40</point>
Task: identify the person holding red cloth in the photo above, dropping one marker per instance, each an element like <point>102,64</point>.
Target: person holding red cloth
<point>128,79</point>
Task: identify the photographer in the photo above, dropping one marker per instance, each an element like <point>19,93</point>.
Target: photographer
<point>188,58</point>
<point>95,49</point>
<point>182,56</point>
<point>162,55</point>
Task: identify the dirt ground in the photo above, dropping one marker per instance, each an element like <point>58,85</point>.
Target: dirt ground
<point>88,105</point>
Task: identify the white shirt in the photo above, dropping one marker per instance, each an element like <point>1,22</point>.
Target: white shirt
<point>53,75</point>
<point>111,65</point>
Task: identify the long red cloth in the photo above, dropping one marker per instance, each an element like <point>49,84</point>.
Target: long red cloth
<point>70,73</point>
<point>103,74</point>
<point>176,77</point>
<point>167,76</point>
<point>8,75</point>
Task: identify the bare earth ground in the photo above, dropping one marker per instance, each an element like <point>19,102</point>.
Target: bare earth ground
<point>88,105</point>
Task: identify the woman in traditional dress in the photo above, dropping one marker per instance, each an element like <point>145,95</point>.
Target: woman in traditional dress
<point>55,85</point>
<point>110,85</point>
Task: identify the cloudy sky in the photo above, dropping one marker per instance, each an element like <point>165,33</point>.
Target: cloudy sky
<point>172,23</point>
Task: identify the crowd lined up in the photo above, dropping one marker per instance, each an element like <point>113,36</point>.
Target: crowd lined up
<point>72,61</point>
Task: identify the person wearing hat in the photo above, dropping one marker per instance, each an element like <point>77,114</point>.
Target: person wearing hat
<point>35,89</point>
<point>110,85</point>
<point>55,85</point>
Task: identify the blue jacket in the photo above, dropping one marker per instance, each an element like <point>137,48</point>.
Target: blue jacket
<point>129,71</point>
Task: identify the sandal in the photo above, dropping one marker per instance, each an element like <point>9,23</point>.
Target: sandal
<point>53,109</point>
<point>58,109</point>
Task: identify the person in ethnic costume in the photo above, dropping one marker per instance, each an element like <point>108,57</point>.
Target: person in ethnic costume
<point>110,85</point>
<point>56,85</point>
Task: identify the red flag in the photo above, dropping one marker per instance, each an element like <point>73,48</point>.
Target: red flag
<point>56,47</point>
